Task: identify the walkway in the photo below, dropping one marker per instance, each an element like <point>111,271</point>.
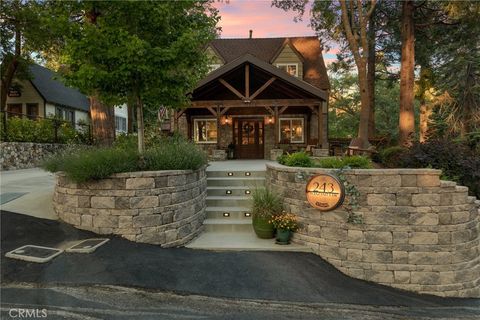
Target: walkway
<point>282,276</point>
<point>28,191</point>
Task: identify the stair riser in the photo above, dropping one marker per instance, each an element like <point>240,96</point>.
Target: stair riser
<point>228,228</point>
<point>223,192</point>
<point>233,215</point>
<point>234,183</point>
<point>236,174</point>
<point>228,203</point>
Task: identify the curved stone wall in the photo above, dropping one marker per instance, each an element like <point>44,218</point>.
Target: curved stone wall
<point>166,208</point>
<point>418,233</point>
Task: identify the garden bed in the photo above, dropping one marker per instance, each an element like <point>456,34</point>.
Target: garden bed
<point>165,208</point>
<point>409,229</point>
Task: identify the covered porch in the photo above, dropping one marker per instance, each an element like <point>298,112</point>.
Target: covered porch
<point>251,108</point>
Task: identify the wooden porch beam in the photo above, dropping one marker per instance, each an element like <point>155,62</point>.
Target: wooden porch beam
<point>229,87</point>
<point>314,111</point>
<point>247,81</point>
<point>283,109</point>
<point>255,103</point>
<point>212,111</point>
<point>270,110</point>
<point>262,88</point>
<point>178,114</point>
<point>224,110</point>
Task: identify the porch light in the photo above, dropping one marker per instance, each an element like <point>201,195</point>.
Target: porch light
<point>227,120</point>
<point>270,120</point>
<point>226,214</point>
<point>248,214</point>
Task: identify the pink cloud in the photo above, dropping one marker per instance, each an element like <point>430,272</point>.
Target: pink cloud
<point>239,16</point>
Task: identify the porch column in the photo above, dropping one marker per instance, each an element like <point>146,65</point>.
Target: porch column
<point>219,118</point>
<point>323,125</point>
<point>276,125</point>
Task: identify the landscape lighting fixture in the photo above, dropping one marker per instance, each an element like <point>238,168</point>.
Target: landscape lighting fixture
<point>230,174</point>
<point>228,192</point>
<point>247,191</point>
<point>226,214</point>
<point>248,173</point>
<point>248,214</point>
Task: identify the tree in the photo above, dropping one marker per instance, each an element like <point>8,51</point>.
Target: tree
<point>140,51</point>
<point>407,76</point>
<point>347,22</point>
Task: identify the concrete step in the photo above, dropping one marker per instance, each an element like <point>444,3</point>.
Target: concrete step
<point>228,201</point>
<point>227,221</point>
<point>234,212</point>
<point>251,182</point>
<point>244,227</point>
<point>235,174</point>
<point>229,191</point>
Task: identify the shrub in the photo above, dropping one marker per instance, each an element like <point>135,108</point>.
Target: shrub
<point>391,157</point>
<point>456,160</point>
<point>266,203</point>
<point>357,162</point>
<point>93,164</point>
<point>282,159</point>
<point>297,159</point>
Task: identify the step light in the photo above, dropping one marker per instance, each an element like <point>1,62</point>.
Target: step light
<point>230,174</point>
<point>228,192</point>
<point>247,192</point>
<point>248,173</point>
<point>248,214</point>
<point>226,214</point>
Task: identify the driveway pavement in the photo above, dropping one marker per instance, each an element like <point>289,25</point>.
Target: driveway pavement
<point>27,191</point>
<point>272,276</point>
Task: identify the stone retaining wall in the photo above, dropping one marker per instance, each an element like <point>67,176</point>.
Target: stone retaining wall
<point>23,155</point>
<point>165,208</point>
<point>418,233</point>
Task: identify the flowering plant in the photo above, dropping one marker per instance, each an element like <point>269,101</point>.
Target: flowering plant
<point>285,221</point>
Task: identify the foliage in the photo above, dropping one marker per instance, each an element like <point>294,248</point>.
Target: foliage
<point>42,131</point>
<point>391,157</point>
<point>357,162</point>
<point>285,221</point>
<point>266,203</point>
<point>352,196</point>
<point>456,160</point>
<point>94,164</point>
<point>296,159</point>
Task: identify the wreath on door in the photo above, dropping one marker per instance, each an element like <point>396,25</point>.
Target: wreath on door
<point>248,128</point>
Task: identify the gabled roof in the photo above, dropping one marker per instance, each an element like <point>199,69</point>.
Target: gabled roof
<point>267,49</point>
<point>248,58</point>
<point>54,91</point>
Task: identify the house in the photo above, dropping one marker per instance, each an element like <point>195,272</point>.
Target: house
<point>262,94</point>
<point>44,96</point>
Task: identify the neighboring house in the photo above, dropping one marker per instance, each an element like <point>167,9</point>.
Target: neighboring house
<point>45,96</point>
<point>261,94</point>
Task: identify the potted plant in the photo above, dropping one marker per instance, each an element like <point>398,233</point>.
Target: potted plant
<point>286,223</point>
<point>266,205</point>
<point>231,151</point>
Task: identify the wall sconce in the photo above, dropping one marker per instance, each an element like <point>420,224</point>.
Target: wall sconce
<point>270,120</point>
<point>227,120</point>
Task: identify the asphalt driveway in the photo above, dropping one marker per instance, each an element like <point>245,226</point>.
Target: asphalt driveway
<point>280,276</point>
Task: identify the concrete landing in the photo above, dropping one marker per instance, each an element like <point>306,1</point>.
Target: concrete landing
<point>240,241</point>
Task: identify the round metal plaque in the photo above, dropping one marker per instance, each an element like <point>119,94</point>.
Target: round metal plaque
<point>325,192</point>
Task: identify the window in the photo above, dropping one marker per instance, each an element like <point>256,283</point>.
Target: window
<point>290,68</point>
<point>291,130</point>
<point>14,110</point>
<point>120,124</point>
<point>213,67</point>
<point>65,114</point>
<point>32,111</point>
<point>205,130</point>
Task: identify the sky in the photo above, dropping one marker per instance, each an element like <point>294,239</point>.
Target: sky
<point>239,16</point>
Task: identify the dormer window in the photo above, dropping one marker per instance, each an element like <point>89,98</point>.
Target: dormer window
<point>290,68</point>
<point>213,67</point>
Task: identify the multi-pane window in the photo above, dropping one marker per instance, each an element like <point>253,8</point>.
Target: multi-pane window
<point>32,110</point>
<point>65,114</point>
<point>205,130</point>
<point>291,130</point>
<point>290,68</point>
<point>120,124</point>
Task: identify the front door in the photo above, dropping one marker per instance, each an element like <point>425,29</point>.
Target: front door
<point>249,138</point>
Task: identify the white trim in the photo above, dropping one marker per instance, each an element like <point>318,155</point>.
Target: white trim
<point>290,119</point>
<point>214,66</point>
<point>289,64</point>
<point>195,120</point>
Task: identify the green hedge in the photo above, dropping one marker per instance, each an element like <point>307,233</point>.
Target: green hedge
<point>93,164</point>
<point>302,159</point>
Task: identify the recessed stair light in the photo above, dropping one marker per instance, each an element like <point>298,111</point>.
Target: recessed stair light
<point>248,173</point>
<point>228,192</point>
<point>230,174</point>
<point>248,214</point>
<point>226,214</point>
<point>247,191</point>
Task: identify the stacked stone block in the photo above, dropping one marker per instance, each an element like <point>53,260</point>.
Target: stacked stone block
<point>418,233</point>
<point>23,155</point>
<point>165,208</point>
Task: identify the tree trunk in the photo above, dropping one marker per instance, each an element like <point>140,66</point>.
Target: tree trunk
<point>371,77</point>
<point>103,122</point>
<point>407,115</point>
<point>362,137</point>
<point>131,116</point>
<point>424,116</point>
<point>140,126</point>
